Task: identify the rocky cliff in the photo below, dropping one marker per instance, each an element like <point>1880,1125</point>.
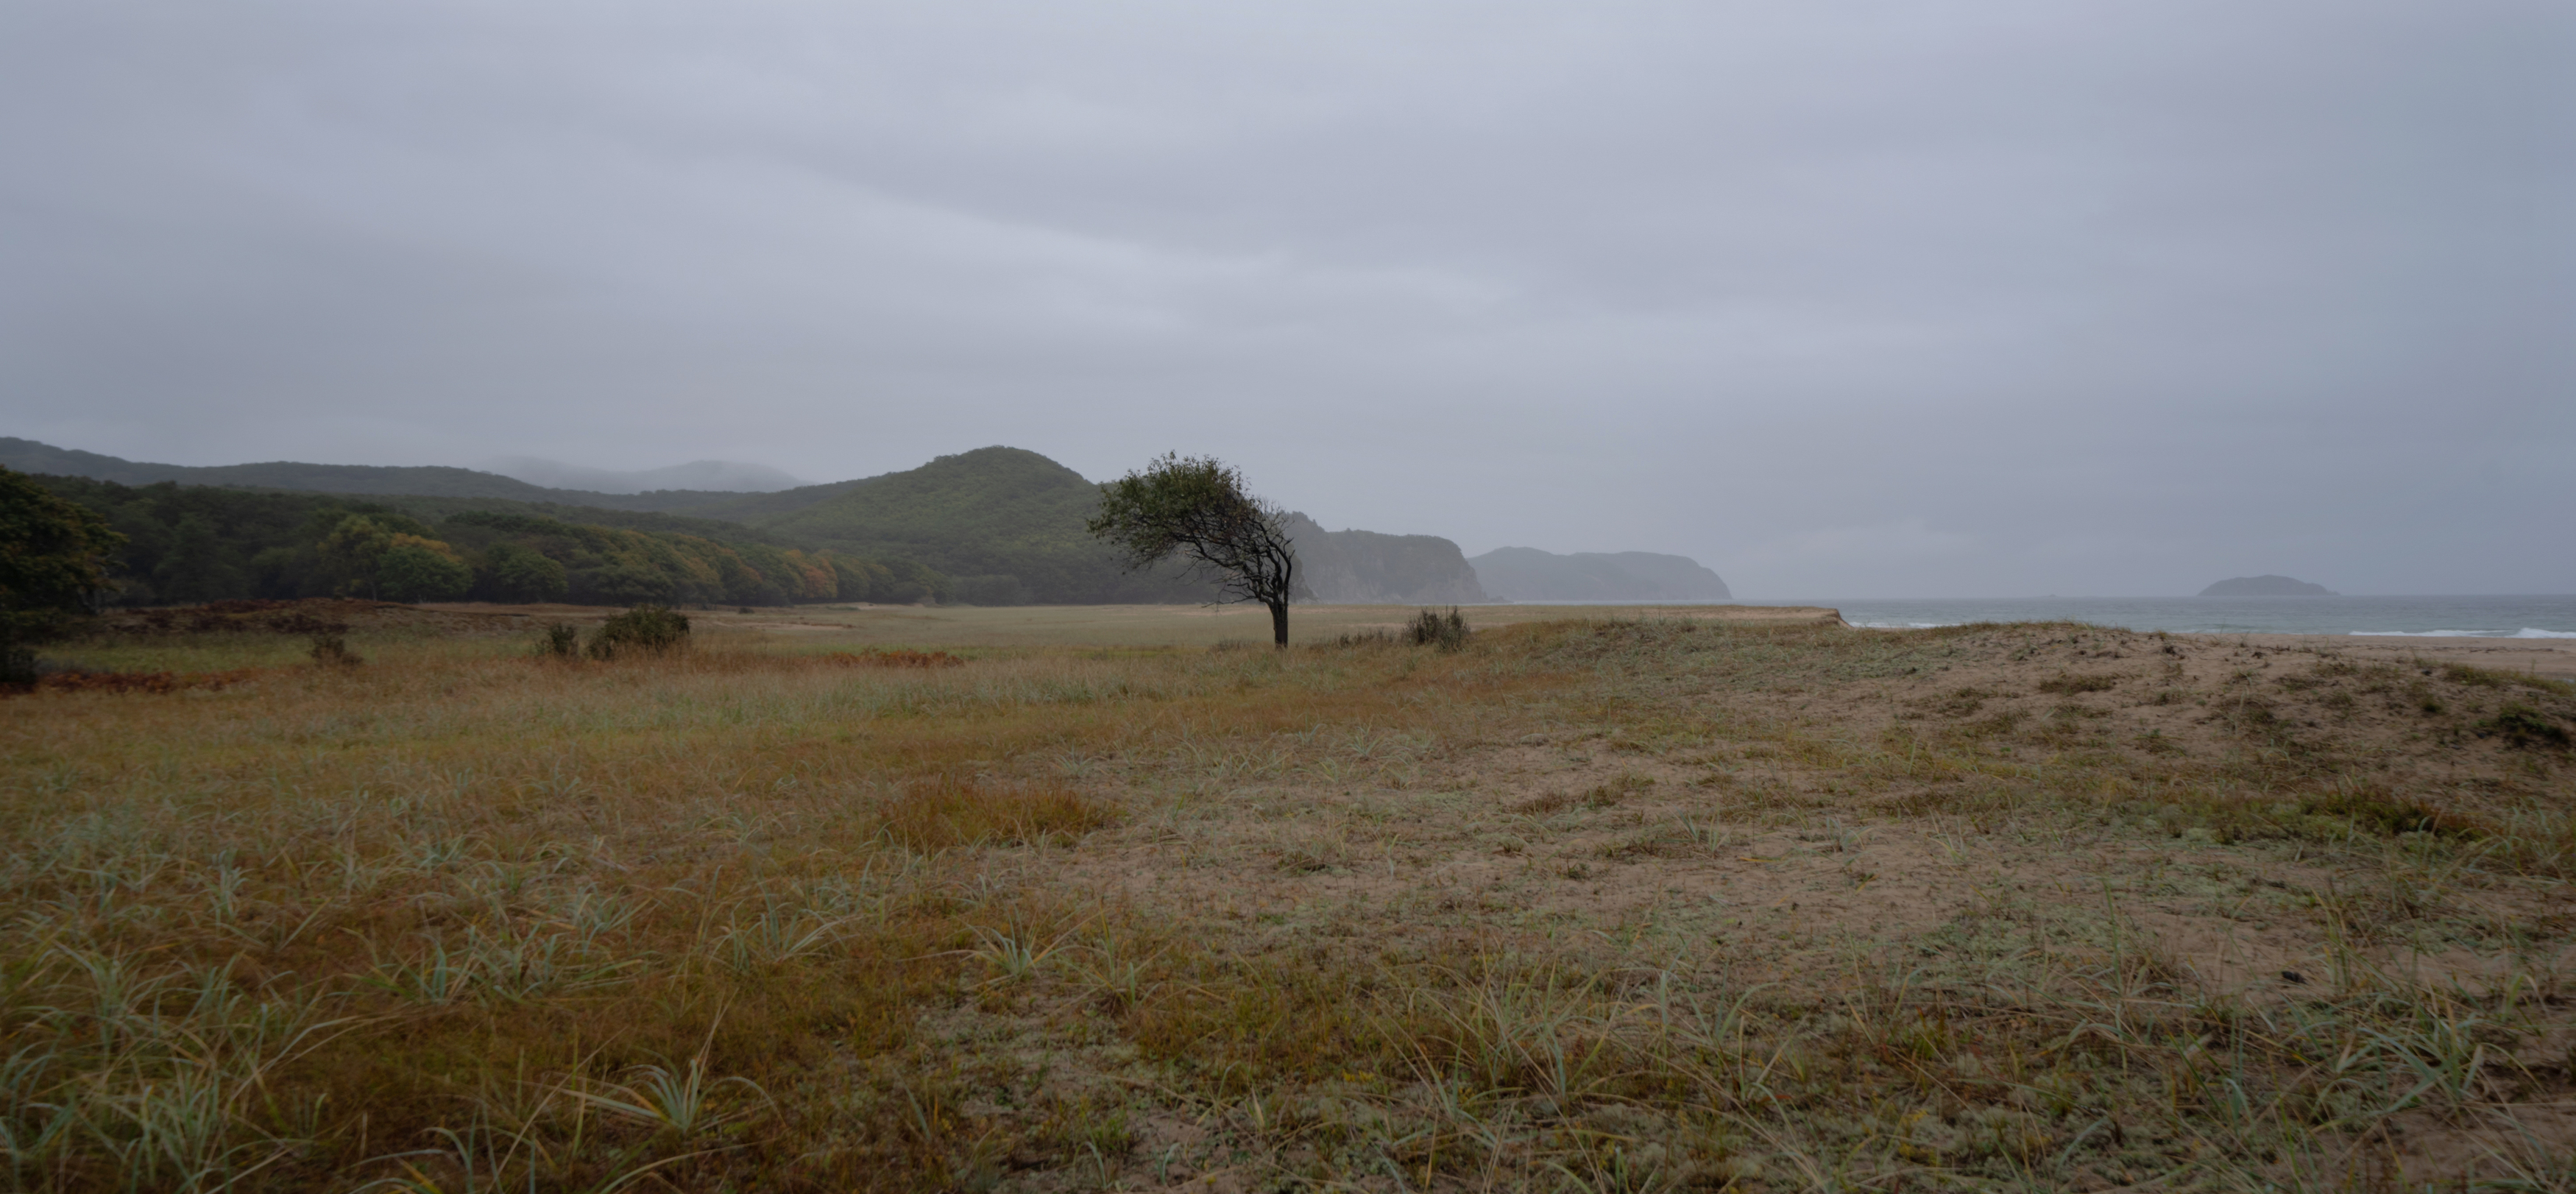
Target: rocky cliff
<point>1368,568</point>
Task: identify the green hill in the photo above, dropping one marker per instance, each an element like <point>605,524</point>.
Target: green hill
<point>1005,522</point>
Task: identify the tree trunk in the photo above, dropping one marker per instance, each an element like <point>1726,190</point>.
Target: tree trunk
<point>1279,624</point>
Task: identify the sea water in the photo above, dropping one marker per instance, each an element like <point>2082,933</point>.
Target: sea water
<point>2467,617</point>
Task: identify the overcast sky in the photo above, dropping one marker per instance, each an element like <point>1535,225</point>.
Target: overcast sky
<point>1841,299</point>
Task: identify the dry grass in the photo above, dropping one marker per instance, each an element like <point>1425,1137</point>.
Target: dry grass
<point>1605,904</point>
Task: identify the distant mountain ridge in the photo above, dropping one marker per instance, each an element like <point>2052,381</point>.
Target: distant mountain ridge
<point>2267,585</point>
<point>1528,574</point>
<point>29,456</point>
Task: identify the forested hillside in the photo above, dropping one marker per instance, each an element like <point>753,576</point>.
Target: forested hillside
<point>207,543</point>
<point>994,526</point>
<point>1006,523</point>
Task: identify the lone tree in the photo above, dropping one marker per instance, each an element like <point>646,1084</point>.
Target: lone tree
<point>1196,508</point>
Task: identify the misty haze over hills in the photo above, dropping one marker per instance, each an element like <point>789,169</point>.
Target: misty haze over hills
<point>2267,585</point>
<point>29,456</point>
<point>1528,574</point>
<point>1830,294</point>
<point>725,476</point>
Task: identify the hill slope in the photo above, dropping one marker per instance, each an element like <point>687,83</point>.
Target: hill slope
<point>1528,574</point>
<point>1006,522</point>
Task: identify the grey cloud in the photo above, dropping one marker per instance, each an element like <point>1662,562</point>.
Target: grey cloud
<point>1839,299</point>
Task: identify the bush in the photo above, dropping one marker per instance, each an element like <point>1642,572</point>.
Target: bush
<point>1429,629</point>
<point>559,641</point>
<point>331,650</point>
<point>651,628</point>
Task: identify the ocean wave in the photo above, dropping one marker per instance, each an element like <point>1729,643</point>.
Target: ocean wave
<point>2528,632</point>
<point>1903,625</point>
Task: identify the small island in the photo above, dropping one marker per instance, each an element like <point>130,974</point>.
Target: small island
<point>2266,586</point>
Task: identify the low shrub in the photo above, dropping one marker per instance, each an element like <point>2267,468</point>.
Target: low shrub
<point>2385,813</point>
<point>558,641</point>
<point>331,650</point>
<point>2071,684</point>
<point>649,628</point>
<point>2477,677</point>
<point>1432,629</point>
<point>2523,726</point>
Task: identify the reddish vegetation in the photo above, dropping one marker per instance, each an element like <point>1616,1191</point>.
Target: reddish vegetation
<point>946,813</point>
<point>312,615</point>
<point>897,658</point>
<point>132,681</point>
<point>316,616</point>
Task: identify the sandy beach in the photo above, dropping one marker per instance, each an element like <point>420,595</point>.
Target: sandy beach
<point>2551,658</point>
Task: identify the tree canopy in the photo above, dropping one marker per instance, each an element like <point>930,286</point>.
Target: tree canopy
<point>53,560</point>
<point>1197,509</point>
